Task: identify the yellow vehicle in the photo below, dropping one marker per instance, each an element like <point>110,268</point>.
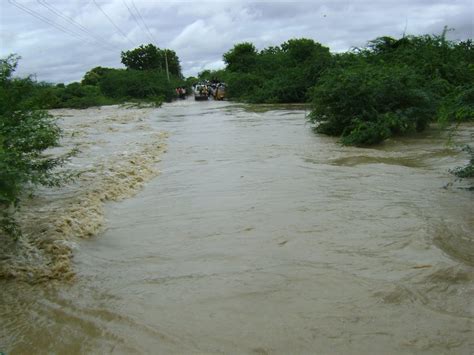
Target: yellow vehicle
<point>219,93</point>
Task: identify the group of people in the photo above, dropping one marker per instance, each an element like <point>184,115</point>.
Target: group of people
<point>181,92</point>
<point>201,89</point>
<point>204,90</point>
<point>212,88</point>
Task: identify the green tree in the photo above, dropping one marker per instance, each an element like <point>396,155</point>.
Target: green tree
<point>25,132</point>
<point>95,75</point>
<point>174,66</point>
<point>150,57</point>
<point>242,58</point>
<point>217,75</point>
<point>205,75</point>
<point>302,50</point>
<point>145,57</point>
<point>277,74</point>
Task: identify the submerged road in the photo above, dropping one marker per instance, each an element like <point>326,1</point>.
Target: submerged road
<point>260,237</point>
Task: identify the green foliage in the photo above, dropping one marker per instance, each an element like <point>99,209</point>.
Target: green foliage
<point>25,133</point>
<point>138,84</point>
<point>390,87</point>
<point>365,100</point>
<point>241,58</point>
<point>364,133</point>
<point>191,80</point>
<point>150,57</point>
<point>80,96</point>
<point>217,75</point>
<point>458,106</point>
<point>302,50</point>
<point>95,75</point>
<point>394,86</point>
<point>276,74</point>
<point>244,85</point>
<point>105,86</point>
<point>434,57</point>
<point>468,170</point>
<point>73,95</point>
<point>205,75</point>
<point>145,80</point>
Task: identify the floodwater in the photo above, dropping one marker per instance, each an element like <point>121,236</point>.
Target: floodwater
<point>260,237</point>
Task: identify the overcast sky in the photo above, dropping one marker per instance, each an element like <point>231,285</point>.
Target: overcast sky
<point>59,40</point>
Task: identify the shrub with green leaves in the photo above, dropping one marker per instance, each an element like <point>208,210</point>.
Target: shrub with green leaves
<point>466,171</point>
<point>368,103</point>
<point>458,106</point>
<point>25,133</point>
<point>394,86</point>
<point>138,84</point>
<point>281,74</point>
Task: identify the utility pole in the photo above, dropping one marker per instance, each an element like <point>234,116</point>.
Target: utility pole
<point>166,63</point>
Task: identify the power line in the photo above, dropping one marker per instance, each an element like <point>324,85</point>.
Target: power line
<point>54,24</point>
<point>71,21</point>
<point>149,33</point>
<point>133,15</point>
<point>112,22</point>
<point>45,19</point>
<point>146,27</point>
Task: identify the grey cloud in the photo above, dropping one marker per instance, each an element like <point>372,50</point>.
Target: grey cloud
<point>200,32</point>
<point>461,25</point>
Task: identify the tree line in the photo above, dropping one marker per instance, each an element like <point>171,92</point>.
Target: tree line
<point>366,95</point>
<point>150,74</point>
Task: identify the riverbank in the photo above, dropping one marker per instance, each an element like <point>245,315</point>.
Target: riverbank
<point>117,154</point>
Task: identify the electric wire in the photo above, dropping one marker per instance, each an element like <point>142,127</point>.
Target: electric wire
<point>112,22</point>
<point>40,17</point>
<point>71,21</point>
<point>57,25</point>
<point>144,23</point>
<point>151,36</point>
<point>133,16</point>
<point>147,30</point>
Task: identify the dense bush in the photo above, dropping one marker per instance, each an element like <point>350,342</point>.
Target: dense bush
<point>366,95</point>
<point>74,95</point>
<point>458,106</point>
<point>145,79</point>
<point>244,85</point>
<point>25,132</point>
<point>394,86</point>
<point>105,86</point>
<point>137,84</point>
<point>368,103</point>
<point>281,74</point>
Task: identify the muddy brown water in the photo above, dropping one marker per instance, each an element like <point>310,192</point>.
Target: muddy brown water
<point>261,237</point>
